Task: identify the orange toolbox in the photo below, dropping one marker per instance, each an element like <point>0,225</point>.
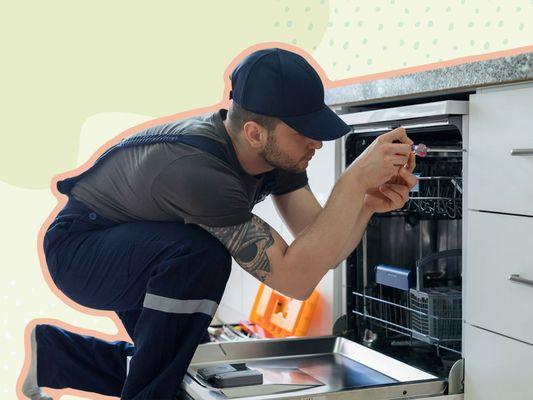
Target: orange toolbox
<point>281,316</point>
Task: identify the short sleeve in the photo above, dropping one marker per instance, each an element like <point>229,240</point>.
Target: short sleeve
<point>286,182</point>
<point>200,190</point>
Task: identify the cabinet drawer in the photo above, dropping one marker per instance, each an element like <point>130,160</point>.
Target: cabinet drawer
<point>501,121</point>
<point>499,245</point>
<point>496,367</point>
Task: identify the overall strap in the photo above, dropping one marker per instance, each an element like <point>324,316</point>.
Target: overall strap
<point>204,143</point>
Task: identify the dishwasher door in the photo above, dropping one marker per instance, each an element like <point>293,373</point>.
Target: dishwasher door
<point>337,368</point>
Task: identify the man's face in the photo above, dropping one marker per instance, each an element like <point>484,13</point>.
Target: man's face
<point>288,150</point>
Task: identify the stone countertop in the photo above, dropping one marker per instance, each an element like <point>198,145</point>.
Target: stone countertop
<point>469,75</point>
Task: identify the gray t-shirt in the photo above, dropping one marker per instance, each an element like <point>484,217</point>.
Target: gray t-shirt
<point>173,181</point>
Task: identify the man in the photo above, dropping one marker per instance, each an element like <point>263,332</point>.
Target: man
<point>148,231</point>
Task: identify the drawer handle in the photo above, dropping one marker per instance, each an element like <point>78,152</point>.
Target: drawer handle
<point>516,278</point>
<point>522,152</point>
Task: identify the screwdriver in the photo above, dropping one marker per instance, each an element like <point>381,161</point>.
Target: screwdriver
<point>422,150</point>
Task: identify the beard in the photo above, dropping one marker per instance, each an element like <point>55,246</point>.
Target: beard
<point>277,159</point>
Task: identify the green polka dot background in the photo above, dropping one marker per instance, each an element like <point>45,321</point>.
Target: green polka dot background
<point>364,38</point>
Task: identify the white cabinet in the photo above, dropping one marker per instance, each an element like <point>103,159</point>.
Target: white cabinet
<point>499,245</point>
<point>498,328</point>
<point>500,151</point>
<point>496,367</point>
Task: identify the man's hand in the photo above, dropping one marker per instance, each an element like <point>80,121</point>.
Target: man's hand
<point>393,194</point>
<point>379,163</point>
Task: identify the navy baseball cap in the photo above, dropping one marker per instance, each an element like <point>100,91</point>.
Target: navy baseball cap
<point>282,84</point>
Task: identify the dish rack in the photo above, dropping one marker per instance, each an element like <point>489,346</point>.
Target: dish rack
<point>436,316</point>
<point>440,196</point>
<point>431,315</point>
<point>439,192</point>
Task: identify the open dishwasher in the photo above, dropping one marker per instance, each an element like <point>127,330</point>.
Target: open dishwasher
<point>400,335</point>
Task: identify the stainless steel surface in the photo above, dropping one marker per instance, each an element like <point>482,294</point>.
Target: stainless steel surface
<point>384,126</point>
<point>522,152</point>
<point>372,129</point>
<point>448,107</point>
<point>347,369</point>
<point>380,127</point>
<point>443,123</point>
<point>516,278</point>
<point>339,273</point>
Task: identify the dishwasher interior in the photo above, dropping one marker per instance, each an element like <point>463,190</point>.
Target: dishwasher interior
<point>403,282</point>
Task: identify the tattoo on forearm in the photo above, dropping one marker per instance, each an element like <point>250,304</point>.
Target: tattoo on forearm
<point>247,243</point>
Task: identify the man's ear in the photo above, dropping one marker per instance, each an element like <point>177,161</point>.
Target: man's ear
<point>255,134</point>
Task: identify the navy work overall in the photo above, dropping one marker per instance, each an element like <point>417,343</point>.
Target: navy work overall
<point>163,279</point>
